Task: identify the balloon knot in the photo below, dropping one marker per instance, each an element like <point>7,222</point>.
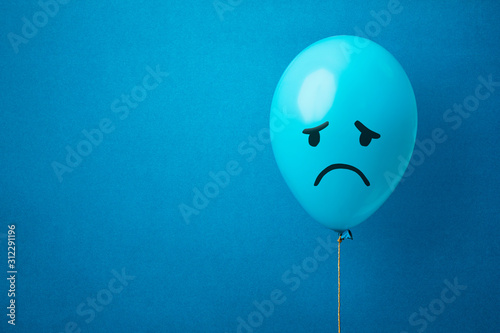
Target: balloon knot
<point>346,234</point>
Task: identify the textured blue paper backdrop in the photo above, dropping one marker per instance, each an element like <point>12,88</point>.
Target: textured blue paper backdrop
<point>118,209</point>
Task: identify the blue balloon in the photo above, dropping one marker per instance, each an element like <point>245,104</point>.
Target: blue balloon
<point>343,126</point>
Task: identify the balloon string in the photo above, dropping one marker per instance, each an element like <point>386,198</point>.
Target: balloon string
<point>338,270</point>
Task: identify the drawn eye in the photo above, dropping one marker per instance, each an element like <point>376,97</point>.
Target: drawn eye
<point>314,138</point>
<point>366,135</point>
<point>314,133</point>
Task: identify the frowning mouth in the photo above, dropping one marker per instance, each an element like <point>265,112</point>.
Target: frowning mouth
<point>341,166</point>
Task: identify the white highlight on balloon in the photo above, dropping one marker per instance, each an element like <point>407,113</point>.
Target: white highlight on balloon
<point>316,95</point>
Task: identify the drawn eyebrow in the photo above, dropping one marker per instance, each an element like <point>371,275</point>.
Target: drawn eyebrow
<point>315,129</point>
<point>363,129</point>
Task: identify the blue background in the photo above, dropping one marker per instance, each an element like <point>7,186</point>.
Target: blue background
<point>120,207</point>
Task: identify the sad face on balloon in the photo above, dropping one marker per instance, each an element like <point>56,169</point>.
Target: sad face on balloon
<point>352,119</point>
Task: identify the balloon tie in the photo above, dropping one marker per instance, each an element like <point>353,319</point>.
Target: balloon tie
<point>338,270</point>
